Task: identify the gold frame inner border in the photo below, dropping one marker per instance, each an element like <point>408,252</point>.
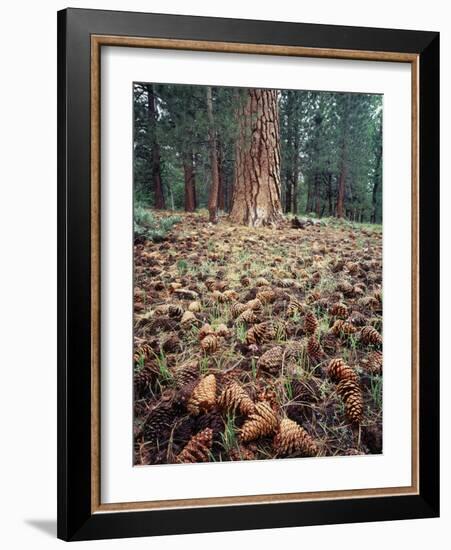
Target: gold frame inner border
<point>97,41</point>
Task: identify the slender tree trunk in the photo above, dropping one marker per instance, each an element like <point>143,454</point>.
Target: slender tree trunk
<point>318,194</point>
<point>288,193</point>
<point>309,205</point>
<point>341,190</point>
<point>214,189</point>
<point>159,202</point>
<point>190,183</point>
<point>295,195</point>
<point>329,192</point>
<point>376,184</point>
<point>221,178</point>
<point>295,172</point>
<point>257,191</point>
<point>344,169</point>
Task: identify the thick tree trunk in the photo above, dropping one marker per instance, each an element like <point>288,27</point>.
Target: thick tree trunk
<point>190,183</point>
<point>159,202</point>
<point>256,195</point>
<point>214,189</point>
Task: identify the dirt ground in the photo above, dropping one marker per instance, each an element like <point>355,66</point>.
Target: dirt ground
<point>236,330</point>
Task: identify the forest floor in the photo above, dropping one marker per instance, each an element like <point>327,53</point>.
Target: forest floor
<point>237,329</point>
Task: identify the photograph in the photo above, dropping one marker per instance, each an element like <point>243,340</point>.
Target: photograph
<point>257,273</point>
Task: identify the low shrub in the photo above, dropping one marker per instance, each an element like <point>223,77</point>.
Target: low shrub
<point>147,226</point>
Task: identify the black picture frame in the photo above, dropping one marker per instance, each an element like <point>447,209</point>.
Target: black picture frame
<point>76,521</point>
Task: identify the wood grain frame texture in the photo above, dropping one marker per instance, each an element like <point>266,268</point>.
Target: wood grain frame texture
<point>122,41</point>
<point>125,509</point>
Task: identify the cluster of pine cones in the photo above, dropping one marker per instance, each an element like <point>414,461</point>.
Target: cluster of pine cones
<point>255,366</point>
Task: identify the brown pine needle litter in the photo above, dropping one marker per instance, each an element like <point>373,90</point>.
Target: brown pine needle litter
<point>257,343</point>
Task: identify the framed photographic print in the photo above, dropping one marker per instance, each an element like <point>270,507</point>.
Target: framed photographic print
<point>248,274</point>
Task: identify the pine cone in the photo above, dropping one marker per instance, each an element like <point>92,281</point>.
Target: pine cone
<point>350,392</point>
<point>195,307</point>
<point>369,335</point>
<point>185,373</point>
<point>235,397</point>
<point>343,328</point>
<point>237,309</point>
<point>203,397</point>
<point>159,422</point>
<point>162,309</point>
<point>188,318</point>
<point>175,311</point>
<point>272,360</point>
<point>329,343</point>
<point>210,343</point>
<point>292,439</point>
<point>198,448</point>
<point>142,378</point>
<point>338,310</point>
<point>205,331</point>
<point>346,288</point>
<point>305,390</point>
<point>220,297</point>
<point>248,317</point>
<point>255,305</point>
<point>259,333</point>
<point>357,319</point>
<point>337,266</point>
<point>295,306</point>
<point>338,370</point>
<point>230,295</point>
<point>210,283</point>
<point>261,422</point>
<point>221,285</point>
<point>222,331</point>
<point>378,295</point>
<point>241,453</point>
<point>369,302</point>
<point>310,323</point>
<point>313,297</point>
<point>142,352</point>
<point>266,296</point>
<point>171,343</point>
<point>213,420</point>
<point>314,350</point>
<point>373,362</point>
<point>245,281</point>
<point>261,281</point>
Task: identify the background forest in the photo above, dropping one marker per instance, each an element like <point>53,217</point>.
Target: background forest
<point>330,149</point>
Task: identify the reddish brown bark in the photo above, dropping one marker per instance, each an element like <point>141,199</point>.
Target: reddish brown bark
<point>318,194</point>
<point>222,183</point>
<point>190,183</point>
<point>256,195</point>
<point>341,191</point>
<point>159,201</point>
<point>344,160</point>
<point>214,189</point>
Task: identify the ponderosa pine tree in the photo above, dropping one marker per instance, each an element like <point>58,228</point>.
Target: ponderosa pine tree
<point>214,188</point>
<point>154,147</point>
<point>256,197</point>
